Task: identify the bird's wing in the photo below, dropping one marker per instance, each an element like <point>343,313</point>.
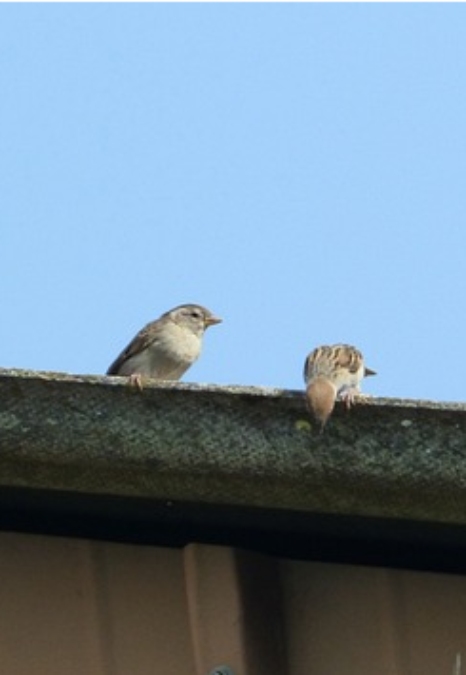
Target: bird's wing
<point>307,367</point>
<point>138,344</point>
<point>328,360</point>
<point>347,357</point>
<point>313,363</point>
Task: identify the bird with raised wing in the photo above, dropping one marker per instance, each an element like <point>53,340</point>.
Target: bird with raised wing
<point>333,372</point>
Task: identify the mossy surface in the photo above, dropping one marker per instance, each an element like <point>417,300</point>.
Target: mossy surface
<point>242,446</point>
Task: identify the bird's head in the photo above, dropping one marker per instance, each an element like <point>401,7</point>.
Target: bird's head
<point>193,317</point>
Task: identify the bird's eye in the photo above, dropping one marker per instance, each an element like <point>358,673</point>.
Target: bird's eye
<point>196,314</point>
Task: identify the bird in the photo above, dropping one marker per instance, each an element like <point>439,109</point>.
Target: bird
<point>165,348</point>
<point>331,372</point>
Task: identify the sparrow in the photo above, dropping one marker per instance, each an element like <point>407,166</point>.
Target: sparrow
<point>165,348</point>
<point>332,372</point>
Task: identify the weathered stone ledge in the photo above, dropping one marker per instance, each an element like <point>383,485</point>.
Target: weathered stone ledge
<point>233,446</point>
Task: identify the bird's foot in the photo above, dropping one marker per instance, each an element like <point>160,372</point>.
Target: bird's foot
<point>350,396</point>
<point>136,380</point>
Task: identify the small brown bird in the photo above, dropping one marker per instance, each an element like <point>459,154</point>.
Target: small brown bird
<point>332,372</point>
<point>167,347</point>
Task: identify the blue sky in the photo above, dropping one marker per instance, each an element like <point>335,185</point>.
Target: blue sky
<point>298,169</point>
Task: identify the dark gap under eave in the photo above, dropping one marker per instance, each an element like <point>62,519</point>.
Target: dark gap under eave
<point>286,534</point>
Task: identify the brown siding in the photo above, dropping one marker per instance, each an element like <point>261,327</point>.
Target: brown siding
<point>77,607</point>
<point>71,607</point>
<point>363,621</point>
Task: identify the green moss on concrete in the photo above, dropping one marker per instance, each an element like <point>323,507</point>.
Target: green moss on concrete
<point>239,446</point>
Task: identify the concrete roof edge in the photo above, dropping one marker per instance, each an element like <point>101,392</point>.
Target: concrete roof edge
<point>238,389</point>
<point>234,446</point>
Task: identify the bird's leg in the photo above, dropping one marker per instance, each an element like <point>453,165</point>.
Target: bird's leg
<point>136,380</point>
<point>352,395</point>
<point>349,395</point>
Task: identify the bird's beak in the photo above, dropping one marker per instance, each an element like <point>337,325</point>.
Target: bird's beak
<point>211,321</point>
<point>368,371</point>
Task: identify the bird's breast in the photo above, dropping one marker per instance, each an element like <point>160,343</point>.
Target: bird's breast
<point>185,344</point>
<point>344,378</point>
